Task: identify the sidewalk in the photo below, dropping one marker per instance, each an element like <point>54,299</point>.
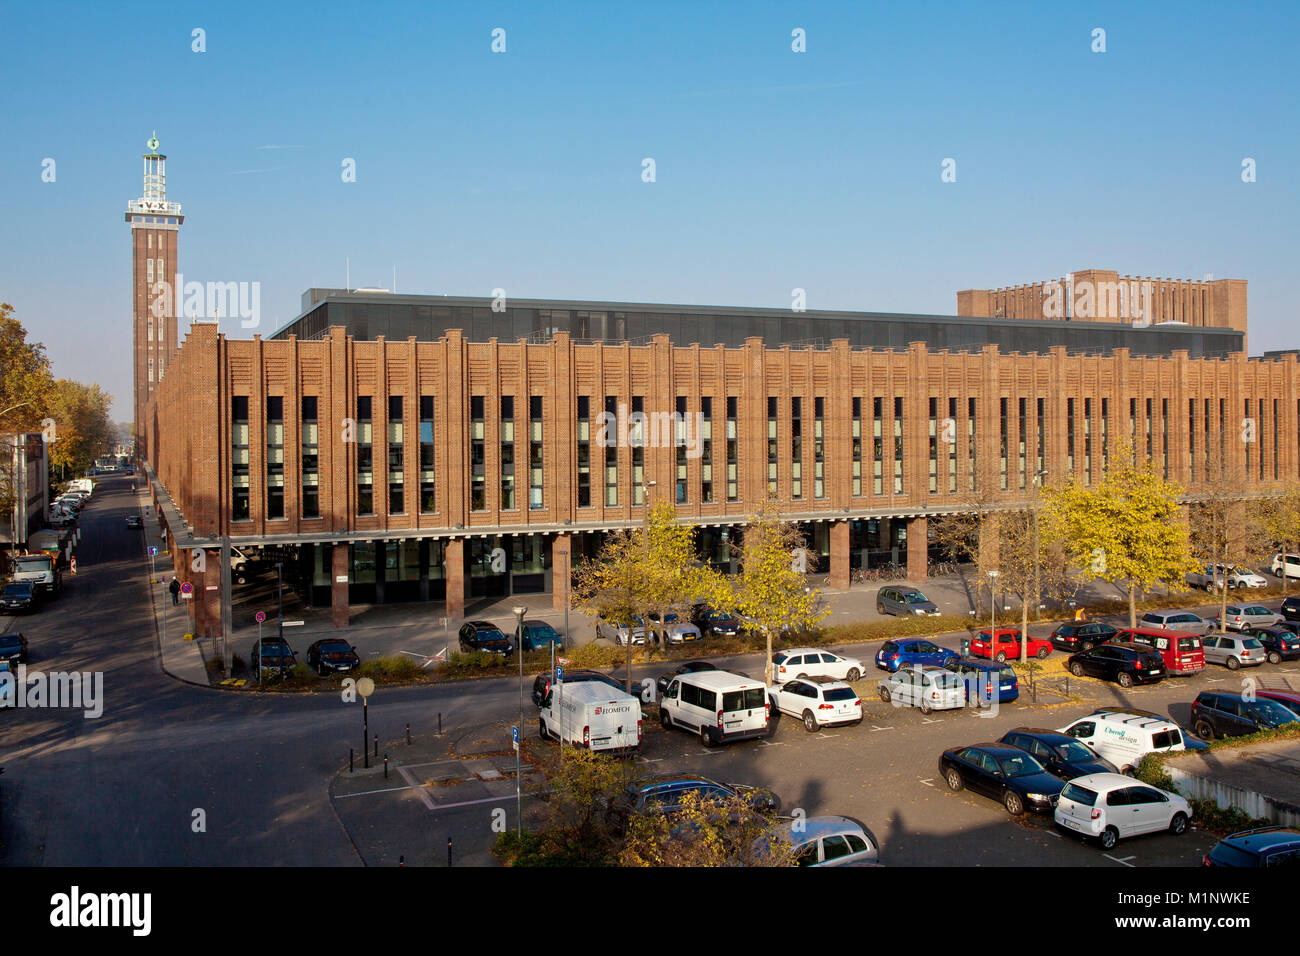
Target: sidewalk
<point>1262,780</point>
<point>180,658</point>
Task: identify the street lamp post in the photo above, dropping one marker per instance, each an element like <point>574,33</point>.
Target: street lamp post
<point>993,611</point>
<point>519,736</point>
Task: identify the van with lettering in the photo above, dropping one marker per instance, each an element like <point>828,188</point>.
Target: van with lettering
<point>720,706</point>
<point>1125,738</point>
<point>1181,652</point>
<point>593,715</point>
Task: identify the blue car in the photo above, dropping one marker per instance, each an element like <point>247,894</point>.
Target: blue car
<point>912,650</point>
<point>982,677</point>
<point>538,635</point>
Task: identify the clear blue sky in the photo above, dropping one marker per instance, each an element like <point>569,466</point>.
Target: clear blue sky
<point>522,170</point>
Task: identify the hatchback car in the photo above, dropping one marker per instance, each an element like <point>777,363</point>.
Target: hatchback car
<point>1108,807</point>
<point>912,650</point>
<point>664,792</point>
<point>1280,643</point>
<point>986,681</point>
<point>332,656</point>
<point>538,635</point>
<point>818,701</point>
<point>1237,617</point>
<point>832,841</point>
<point>1059,753</point>
<point>1265,846</point>
<point>13,649</point>
<point>1290,609</point>
<point>926,687</point>
<point>1006,644</point>
<point>1216,714</point>
<point>897,599</point>
<point>1292,565</point>
<point>620,632</point>
<point>271,654</point>
<point>1178,621</point>
<point>1006,774</point>
<point>484,636</point>
<point>1125,664</point>
<point>715,623</point>
<point>810,662</point>
<point>1081,635</point>
<point>18,597</point>
<point>1233,652</point>
<point>674,629</point>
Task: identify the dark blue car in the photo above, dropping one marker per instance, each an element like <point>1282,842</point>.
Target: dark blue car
<point>985,681</point>
<point>912,650</point>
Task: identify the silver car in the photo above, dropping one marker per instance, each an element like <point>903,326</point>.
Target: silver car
<point>1233,652</point>
<point>678,630</point>
<point>929,688</point>
<point>619,632</point>
<point>1238,616</point>
<point>1178,621</point>
<point>904,600</point>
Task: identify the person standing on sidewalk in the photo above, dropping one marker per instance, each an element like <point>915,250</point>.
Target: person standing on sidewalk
<point>175,588</point>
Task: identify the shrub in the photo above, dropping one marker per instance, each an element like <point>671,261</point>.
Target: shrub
<point>388,670</point>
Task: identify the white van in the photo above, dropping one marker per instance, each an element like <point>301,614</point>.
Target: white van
<point>1124,738</point>
<point>592,714</point>
<point>718,705</point>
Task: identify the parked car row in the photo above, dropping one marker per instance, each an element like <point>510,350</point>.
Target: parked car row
<point>327,656</point>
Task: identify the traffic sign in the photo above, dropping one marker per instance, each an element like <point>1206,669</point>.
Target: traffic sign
<point>559,672</point>
<point>259,617</point>
<point>151,551</point>
<point>187,588</point>
<point>514,736</point>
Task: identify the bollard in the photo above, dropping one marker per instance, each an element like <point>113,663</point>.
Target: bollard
<point>439,723</point>
<point>385,766</point>
<point>408,735</point>
<point>449,851</point>
<point>401,860</point>
<point>351,753</point>
<point>376,746</point>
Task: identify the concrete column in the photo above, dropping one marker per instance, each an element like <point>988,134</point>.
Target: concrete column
<point>918,550</point>
<point>840,555</point>
<point>454,552</point>
<point>339,588</point>
<point>210,599</point>
<point>561,569</point>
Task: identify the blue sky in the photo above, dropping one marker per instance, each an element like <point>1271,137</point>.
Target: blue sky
<point>522,170</point>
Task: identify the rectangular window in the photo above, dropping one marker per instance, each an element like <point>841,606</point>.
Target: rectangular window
<point>934,445</point>
<point>796,448</point>
<point>584,451</point>
<point>679,443</point>
<point>1023,426</point>
<point>428,503</point>
<point>1087,440</point>
<point>1040,440</point>
<point>365,457</point>
<point>310,458</point>
<point>705,438</point>
<point>274,456</point>
<point>507,430</point>
<point>1149,434</point>
<point>971,446</point>
<point>950,436</point>
<point>637,434</point>
<point>239,484</point>
<point>771,446</point>
<point>1164,433</point>
<point>1069,436</point>
<point>477,453</point>
<point>1002,473</point>
<point>1132,427</point>
<point>877,447</point>
<point>898,445</point>
<point>1105,434</point>
<point>611,455</point>
<point>733,450</point>
<point>396,456</point>
<point>1191,436</point>
<point>819,447</point>
<point>1251,434</point>
<point>536,471</point>
<point>1276,463</point>
<point>857,446</point>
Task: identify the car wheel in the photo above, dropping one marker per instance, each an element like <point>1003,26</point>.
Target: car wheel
<point>1204,729</point>
<point>880,609</point>
<point>1274,657</point>
<point>1233,664</point>
<point>704,736</point>
<point>1076,669</point>
<point>1043,652</point>
<point>854,674</point>
<point>884,693</point>
<point>954,780</point>
<point>541,729</point>
<point>1125,679</point>
<point>1015,806</point>
<point>925,706</point>
<point>1178,825</point>
<point>1126,770</point>
<point>1109,837</point>
<point>810,722</point>
<point>1002,657</point>
<point>665,718</point>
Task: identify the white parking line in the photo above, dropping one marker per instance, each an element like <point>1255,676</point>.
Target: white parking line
<point>828,736</point>
<point>932,720</point>
<point>1121,859</point>
<point>419,790</point>
<point>928,781</point>
<point>875,727</point>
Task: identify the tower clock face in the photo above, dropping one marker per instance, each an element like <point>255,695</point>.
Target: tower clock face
<point>153,143</point>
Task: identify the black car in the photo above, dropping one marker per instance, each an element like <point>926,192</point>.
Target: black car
<point>1125,663</point>
<point>1266,846</point>
<point>13,649</point>
<point>484,636</point>
<point>543,683</point>
<point>1006,774</point>
<point>271,653</point>
<point>663,793</point>
<point>1280,643</point>
<point>134,522</point>
<point>1081,635</point>
<point>1216,714</point>
<point>18,597</point>
<point>1290,609</point>
<point>715,623</point>
<point>332,656</point>
<point>690,667</point>
<point>1059,753</point>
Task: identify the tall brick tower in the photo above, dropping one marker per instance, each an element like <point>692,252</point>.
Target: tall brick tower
<point>155,229</point>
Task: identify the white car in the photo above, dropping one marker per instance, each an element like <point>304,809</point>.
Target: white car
<point>1292,565</point>
<point>814,662</point>
<point>817,701</point>
<point>1239,577</point>
<point>833,841</point>
<point>1108,807</point>
<point>929,688</point>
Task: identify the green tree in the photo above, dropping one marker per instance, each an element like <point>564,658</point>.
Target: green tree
<point>1226,525</point>
<point>1126,528</point>
<point>1280,517</point>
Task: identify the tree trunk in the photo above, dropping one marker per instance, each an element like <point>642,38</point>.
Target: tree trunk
<point>1132,604</point>
<point>767,661</point>
<point>1024,631</point>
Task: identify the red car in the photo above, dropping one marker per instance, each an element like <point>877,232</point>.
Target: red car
<point>1181,652</point>
<point>1007,645</point>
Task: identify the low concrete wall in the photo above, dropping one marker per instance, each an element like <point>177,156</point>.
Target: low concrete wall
<point>1258,805</point>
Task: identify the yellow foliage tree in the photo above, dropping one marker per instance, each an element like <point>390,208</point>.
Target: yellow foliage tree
<point>1280,517</point>
<point>704,831</point>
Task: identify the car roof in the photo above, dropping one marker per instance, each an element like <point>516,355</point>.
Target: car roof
<point>1153,631</point>
<point>1105,782</point>
<point>535,621</point>
<point>1136,720</point>
<point>993,747</point>
<point>814,828</point>
<point>923,669</point>
<point>1263,838</point>
<point>718,680</point>
<point>819,679</point>
<point>485,624</point>
<point>982,663</point>
<point>806,650</point>
<point>1042,733</point>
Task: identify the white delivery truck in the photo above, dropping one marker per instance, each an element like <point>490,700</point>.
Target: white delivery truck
<point>82,484</point>
<point>592,714</point>
<point>41,570</point>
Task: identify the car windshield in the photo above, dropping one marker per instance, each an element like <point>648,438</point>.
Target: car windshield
<point>916,597</point>
<point>1019,765</point>
<point>10,640</point>
<point>719,616</point>
<point>335,649</point>
<point>840,693</point>
<point>1079,794</point>
<point>1072,750</point>
<point>1271,712</point>
<point>18,589</point>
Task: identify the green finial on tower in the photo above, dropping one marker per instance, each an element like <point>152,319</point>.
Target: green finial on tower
<point>153,142</point>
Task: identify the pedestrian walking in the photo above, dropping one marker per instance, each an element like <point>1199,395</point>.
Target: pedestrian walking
<point>175,588</point>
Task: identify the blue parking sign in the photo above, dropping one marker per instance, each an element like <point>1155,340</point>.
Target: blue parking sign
<point>514,734</point>
<point>559,672</point>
